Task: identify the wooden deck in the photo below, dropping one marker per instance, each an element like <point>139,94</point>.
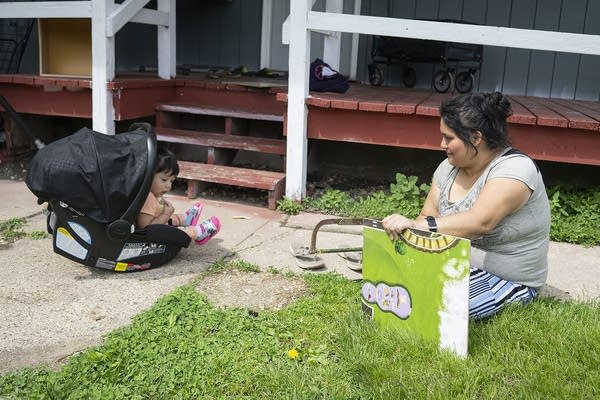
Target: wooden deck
<point>548,129</point>
<point>135,95</point>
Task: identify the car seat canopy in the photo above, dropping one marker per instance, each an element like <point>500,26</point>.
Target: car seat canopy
<point>96,174</point>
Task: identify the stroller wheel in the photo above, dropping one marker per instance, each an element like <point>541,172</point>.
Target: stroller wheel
<point>464,82</point>
<point>443,81</point>
<point>409,77</point>
<point>375,75</point>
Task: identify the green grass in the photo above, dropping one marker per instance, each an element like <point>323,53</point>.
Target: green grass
<point>575,215</point>
<point>184,348</point>
<point>322,347</point>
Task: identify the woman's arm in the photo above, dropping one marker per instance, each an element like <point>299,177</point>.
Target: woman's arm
<point>499,197</point>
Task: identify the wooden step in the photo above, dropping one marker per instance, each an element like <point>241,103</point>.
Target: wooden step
<point>217,112</point>
<point>221,140</point>
<point>193,172</point>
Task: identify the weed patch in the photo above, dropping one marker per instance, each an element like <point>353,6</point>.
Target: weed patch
<point>12,229</point>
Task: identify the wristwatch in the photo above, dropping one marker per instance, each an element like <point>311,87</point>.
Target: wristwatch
<point>431,222</point>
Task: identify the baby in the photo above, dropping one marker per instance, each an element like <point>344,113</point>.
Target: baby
<point>157,210</point>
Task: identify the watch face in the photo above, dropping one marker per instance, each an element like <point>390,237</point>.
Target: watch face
<point>432,224</point>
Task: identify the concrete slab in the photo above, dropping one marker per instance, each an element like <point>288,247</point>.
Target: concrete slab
<point>17,200</point>
<point>575,270</point>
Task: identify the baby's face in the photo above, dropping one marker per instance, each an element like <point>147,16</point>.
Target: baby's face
<point>161,184</point>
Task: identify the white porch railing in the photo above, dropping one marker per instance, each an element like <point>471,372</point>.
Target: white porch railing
<point>107,19</point>
<point>302,21</point>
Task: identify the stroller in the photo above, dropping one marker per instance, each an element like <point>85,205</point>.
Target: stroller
<point>459,61</point>
<point>95,186</point>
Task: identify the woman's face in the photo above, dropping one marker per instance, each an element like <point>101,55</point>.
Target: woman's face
<point>458,152</point>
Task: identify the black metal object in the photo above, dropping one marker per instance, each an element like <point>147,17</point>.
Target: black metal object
<point>451,56</point>
<point>19,121</point>
<point>14,34</point>
<point>307,257</point>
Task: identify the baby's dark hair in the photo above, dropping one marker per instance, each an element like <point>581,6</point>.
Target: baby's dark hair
<point>166,162</point>
<point>483,112</point>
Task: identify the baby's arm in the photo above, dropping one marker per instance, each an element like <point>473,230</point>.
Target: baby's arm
<point>144,219</point>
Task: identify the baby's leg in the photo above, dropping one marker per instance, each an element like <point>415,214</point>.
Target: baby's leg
<point>177,220</point>
<point>190,230</point>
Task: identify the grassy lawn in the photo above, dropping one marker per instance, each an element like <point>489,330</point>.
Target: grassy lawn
<point>322,347</point>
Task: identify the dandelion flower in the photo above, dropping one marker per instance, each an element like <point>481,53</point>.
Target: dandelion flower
<point>293,354</point>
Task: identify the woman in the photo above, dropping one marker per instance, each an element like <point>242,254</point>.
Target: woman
<point>491,194</point>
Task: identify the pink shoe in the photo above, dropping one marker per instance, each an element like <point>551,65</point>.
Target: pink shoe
<point>207,229</point>
<point>192,215</point>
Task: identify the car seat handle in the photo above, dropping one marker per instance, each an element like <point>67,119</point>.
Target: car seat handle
<point>140,198</point>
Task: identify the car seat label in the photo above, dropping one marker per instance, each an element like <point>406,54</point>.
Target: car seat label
<point>64,241</point>
<point>133,250</point>
<point>121,267</point>
<point>80,231</point>
<point>105,264</point>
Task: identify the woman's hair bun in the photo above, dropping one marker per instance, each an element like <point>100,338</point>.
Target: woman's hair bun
<point>497,104</point>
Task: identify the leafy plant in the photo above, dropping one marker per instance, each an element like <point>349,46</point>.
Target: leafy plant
<point>12,229</point>
<point>37,235</point>
<point>575,215</point>
<point>405,196</point>
<point>289,206</point>
<point>332,201</point>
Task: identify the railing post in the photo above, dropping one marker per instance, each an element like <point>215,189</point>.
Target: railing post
<point>332,43</point>
<point>103,68</point>
<point>167,45</point>
<point>297,147</point>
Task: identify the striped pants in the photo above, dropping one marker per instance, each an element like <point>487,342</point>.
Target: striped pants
<point>488,294</point>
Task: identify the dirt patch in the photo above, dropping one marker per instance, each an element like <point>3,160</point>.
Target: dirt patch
<point>15,168</point>
<point>253,290</point>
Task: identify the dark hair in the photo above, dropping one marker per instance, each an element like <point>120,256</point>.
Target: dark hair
<point>166,162</point>
<point>483,112</point>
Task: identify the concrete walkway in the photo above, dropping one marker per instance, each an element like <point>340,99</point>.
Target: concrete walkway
<point>53,307</point>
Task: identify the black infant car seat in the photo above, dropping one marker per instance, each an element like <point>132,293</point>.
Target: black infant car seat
<point>95,186</point>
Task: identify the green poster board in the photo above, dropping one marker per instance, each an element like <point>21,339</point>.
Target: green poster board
<point>419,282</point>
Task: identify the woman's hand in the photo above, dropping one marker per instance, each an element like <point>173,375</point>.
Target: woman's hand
<point>394,225</point>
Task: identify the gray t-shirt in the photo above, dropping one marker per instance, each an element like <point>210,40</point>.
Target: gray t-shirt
<point>517,248</point>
